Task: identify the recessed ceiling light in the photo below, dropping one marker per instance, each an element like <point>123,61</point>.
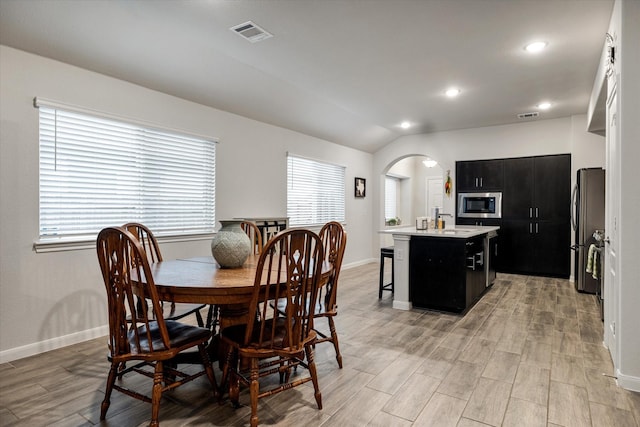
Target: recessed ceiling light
<point>535,47</point>
<point>405,125</point>
<point>452,92</point>
<point>544,105</point>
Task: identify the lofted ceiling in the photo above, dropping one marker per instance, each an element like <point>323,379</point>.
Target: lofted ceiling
<point>347,71</point>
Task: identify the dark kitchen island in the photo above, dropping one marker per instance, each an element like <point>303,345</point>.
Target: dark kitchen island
<point>445,270</point>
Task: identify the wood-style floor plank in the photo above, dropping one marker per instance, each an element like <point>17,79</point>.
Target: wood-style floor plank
<point>529,353</point>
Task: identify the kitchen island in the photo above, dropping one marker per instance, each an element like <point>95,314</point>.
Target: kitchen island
<point>446,269</point>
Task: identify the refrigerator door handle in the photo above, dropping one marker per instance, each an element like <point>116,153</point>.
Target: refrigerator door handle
<point>574,207</point>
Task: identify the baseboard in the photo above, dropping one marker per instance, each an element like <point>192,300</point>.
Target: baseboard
<point>628,382</point>
<point>402,305</point>
<point>52,344</point>
<point>358,263</point>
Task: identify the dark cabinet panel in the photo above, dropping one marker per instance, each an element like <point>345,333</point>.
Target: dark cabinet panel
<point>553,254</point>
<point>516,244</point>
<point>480,175</point>
<point>517,194</point>
<point>446,273</point>
<point>535,216</point>
<point>552,187</point>
<point>535,247</point>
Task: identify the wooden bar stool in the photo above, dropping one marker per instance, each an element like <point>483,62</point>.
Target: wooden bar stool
<point>385,253</point>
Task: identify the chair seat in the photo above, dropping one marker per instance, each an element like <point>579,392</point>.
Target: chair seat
<point>180,335</point>
<point>235,334</point>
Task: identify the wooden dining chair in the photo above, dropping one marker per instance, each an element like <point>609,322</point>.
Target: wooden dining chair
<point>141,337</point>
<point>334,242</point>
<point>288,269</point>
<point>255,236</point>
<point>172,311</point>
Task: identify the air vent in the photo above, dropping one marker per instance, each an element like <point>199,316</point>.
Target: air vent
<point>251,32</point>
<point>531,115</point>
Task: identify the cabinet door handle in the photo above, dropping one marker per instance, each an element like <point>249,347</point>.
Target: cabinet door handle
<point>476,182</point>
<point>537,213</point>
<point>471,262</point>
<point>530,228</point>
<point>480,181</point>
<point>536,228</point>
<point>530,212</point>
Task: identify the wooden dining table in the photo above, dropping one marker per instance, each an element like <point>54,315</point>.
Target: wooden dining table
<point>201,280</point>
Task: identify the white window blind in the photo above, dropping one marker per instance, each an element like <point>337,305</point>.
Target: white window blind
<point>97,172</point>
<point>390,198</point>
<point>315,192</point>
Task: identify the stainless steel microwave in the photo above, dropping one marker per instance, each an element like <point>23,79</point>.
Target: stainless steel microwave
<point>479,205</point>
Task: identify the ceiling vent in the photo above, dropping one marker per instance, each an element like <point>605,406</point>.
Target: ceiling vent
<point>251,32</point>
<point>531,115</point>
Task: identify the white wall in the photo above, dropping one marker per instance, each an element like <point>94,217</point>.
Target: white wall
<point>52,299</point>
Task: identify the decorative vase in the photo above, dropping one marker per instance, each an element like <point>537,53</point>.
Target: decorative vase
<point>230,246</point>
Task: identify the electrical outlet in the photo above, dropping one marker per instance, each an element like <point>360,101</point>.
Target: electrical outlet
<point>400,254</point>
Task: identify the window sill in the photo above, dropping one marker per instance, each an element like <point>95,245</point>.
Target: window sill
<point>74,244</point>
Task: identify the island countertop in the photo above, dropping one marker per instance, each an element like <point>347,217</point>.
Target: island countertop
<point>458,231</point>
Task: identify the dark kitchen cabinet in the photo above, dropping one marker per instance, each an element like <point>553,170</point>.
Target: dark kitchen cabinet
<point>479,175</point>
<point>539,248</point>
<point>446,273</point>
<point>537,188</point>
<point>536,232</point>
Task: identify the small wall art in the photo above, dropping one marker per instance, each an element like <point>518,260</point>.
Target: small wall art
<point>360,187</point>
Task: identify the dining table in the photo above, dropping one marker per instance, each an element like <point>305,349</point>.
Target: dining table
<point>201,280</point>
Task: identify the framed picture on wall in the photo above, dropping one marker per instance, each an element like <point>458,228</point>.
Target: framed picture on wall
<point>361,187</point>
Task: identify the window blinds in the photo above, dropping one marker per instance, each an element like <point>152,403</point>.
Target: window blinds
<point>390,197</point>
<point>315,192</point>
<point>97,172</point>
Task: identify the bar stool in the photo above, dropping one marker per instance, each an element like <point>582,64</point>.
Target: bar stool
<point>385,253</point>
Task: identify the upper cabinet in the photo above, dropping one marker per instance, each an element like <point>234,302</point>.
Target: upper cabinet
<point>537,188</point>
<point>480,175</point>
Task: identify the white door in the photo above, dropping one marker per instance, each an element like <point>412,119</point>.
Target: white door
<point>434,196</point>
<point>612,213</point>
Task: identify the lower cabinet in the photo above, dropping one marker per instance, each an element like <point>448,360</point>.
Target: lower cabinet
<point>537,247</point>
<point>446,273</point>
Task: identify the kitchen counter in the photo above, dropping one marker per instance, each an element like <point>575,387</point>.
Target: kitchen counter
<point>406,237</point>
<point>458,231</point>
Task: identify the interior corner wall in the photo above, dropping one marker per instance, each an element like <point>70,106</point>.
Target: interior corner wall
<point>61,293</point>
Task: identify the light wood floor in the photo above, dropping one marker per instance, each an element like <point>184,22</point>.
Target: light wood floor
<point>528,354</point>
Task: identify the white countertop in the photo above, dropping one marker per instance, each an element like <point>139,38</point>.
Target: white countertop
<point>458,231</point>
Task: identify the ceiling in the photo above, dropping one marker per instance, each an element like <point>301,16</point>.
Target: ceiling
<point>347,71</point>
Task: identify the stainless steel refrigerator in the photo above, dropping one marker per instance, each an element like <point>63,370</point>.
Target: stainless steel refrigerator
<point>587,216</point>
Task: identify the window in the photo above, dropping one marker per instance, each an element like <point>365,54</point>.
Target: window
<point>390,198</point>
<point>97,172</point>
<point>315,192</point>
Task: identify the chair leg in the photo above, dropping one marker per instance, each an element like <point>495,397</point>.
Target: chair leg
<point>393,274</point>
<point>111,379</point>
<point>314,374</point>
<point>156,394</point>
<point>208,368</point>
<point>381,277</point>
<point>334,340</point>
<point>228,363</point>
<point>254,389</point>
